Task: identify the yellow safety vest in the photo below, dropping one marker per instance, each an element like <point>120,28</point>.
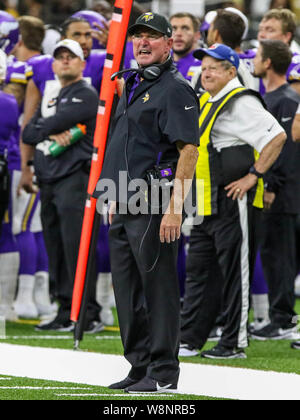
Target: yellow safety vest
<point>206,178</point>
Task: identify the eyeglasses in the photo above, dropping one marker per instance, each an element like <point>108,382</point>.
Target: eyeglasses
<point>65,57</point>
<point>149,37</point>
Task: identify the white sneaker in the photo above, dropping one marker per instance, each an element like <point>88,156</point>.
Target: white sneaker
<point>41,294</point>
<point>9,267</point>
<point>297,286</point>
<point>8,313</point>
<point>26,310</point>
<point>185,350</point>
<point>107,317</point>
<point>24,304</point>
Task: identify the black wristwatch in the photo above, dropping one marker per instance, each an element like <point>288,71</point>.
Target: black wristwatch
<point>253,171</point>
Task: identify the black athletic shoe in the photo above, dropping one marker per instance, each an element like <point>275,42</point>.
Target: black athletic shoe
<point>215,334</point>
<point>149,385</point>
<point>296,345</point>
<point>124,384</point>
<point>94,327</point>
<point>56,326</point>
<point>273,332</point>
<point>220,352</point>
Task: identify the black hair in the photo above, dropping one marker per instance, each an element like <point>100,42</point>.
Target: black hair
<point>279,53</point>
<point>231,27</point>
<point>65,25</point>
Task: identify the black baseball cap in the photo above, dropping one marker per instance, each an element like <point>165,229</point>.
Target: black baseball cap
<point>153,21</point>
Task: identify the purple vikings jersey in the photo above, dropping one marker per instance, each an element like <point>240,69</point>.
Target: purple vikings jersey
<point>9,125</point>
<point>42,70</point>
<point>293,73</point>
<point>17,72</point>
<point>129,59</point>
<point>247,57</point>
<point>187,66</point>
<point>9,30</point>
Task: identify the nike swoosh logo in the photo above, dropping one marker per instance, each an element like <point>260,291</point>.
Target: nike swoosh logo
<point>187,108</point>
<point>286,119</point>
<point>161,388</point>
<point>77,100</point>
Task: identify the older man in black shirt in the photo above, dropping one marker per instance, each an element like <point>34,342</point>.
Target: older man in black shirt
<point>156,123</point>
<point>63,179</point>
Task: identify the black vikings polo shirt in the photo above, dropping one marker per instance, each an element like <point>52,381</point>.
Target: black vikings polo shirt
<point>283,177</point>
<point>146,129</point>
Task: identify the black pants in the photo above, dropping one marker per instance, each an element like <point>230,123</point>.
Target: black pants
<point>62,209</point>
<point>279,260</point>
<point>218,271</point>
<point>147,296</point>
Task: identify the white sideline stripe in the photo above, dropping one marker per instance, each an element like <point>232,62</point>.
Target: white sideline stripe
<point>113,395</point>
<point>243,213</point>
<point>102,369</point>
<point>58,337</point>
<point>37,388</point>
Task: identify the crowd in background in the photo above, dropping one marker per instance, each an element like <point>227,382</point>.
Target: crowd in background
<point>53,13</point>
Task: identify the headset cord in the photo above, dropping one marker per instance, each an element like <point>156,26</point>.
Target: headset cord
<point>141,244</point>
<point>150,221</point>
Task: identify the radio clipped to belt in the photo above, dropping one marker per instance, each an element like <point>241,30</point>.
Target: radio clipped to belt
<point>160,180</point>
<point>164,173</point>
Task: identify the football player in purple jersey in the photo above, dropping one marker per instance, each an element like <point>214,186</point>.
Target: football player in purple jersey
<point>25,225</point>
<point>99,26</point>
<point>9,30</point>
<point>281,25</point>
<point>9,257</point>
<point>186,36</point>
<point>44,86</point>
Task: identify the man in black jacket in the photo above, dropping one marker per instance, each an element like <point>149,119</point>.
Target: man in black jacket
<point>156,123</point>
<point>282,195</point>
<point>63,179</point>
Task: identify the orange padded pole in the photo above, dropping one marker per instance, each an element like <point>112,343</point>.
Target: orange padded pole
<point>116,42</point>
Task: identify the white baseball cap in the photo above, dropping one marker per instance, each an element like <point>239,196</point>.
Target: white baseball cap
<point>210,17</point>
<point>71,45</point>
<point>242,16</point>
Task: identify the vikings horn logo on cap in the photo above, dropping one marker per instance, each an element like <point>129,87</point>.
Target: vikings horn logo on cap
<point>147,17</point>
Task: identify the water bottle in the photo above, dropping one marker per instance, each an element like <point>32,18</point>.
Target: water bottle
<point>77,133</point>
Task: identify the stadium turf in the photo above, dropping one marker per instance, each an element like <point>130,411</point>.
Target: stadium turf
<point>268,356</point>
<point>12,388</point>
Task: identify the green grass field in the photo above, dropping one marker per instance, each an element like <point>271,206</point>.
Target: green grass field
<point>12,388</point>
<point>268,356</point>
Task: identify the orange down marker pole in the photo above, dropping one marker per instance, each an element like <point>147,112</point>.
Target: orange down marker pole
<point>116,40</point>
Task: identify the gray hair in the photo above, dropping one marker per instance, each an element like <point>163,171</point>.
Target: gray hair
<point>226,64</point>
